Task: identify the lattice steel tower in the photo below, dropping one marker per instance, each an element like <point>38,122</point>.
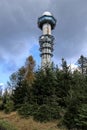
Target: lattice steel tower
<point>46,23</point>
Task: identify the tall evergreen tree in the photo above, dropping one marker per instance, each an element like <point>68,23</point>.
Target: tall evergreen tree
<point>82,63</point>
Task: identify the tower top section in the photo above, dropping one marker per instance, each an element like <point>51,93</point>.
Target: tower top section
<point>46,18</point>
<point>47,13</point>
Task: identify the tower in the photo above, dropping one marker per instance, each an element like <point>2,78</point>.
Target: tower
<point>46,23</point>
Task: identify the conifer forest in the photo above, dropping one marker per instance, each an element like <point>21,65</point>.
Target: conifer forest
<point>48,94</point>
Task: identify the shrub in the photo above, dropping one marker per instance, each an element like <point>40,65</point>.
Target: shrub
<point>4,125</point>
<point>9,106</point>
<point>46,113</point>
<point>27,110</point>
<point>81,120</point>
<point>41,113</point>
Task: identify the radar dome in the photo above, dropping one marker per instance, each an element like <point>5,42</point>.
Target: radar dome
<point>47,13</point>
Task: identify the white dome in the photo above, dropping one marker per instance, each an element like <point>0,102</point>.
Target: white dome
<point>47,13</point>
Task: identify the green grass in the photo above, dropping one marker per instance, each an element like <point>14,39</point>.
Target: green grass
<point>5,125</point>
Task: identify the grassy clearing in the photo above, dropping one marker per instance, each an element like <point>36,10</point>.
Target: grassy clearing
<point>27,124</point>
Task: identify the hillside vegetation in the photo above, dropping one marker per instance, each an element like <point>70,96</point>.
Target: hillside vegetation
<point>47,94</point>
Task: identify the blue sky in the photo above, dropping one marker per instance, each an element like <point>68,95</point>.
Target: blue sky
<point>19,32</point>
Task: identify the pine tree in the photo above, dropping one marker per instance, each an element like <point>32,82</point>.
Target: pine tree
<point>76,103</point>
<point>82,63</point>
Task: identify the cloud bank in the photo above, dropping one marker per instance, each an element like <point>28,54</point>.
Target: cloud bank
<point>19,32</point>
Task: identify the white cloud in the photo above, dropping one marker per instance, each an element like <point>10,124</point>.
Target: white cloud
<point>1,84</point>
<point>73,67</point>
